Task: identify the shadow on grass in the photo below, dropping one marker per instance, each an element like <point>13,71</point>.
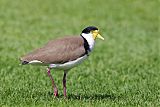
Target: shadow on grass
<point>97,96</point>
<point>93,96</point>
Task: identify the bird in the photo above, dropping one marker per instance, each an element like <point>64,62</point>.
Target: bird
<point>63,54</point>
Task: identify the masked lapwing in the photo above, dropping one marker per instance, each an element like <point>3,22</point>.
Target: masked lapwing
<point>64,53</point>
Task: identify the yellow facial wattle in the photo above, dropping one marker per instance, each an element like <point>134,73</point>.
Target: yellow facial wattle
<point>97,35</point>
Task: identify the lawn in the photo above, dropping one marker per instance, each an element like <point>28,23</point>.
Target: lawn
<point>123,70</point>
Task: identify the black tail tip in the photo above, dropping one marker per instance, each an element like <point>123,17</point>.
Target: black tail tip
<point>24,62</point>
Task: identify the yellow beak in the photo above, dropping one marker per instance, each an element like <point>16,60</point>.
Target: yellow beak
<point>100,37</point>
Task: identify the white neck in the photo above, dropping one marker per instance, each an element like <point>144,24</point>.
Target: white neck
<point>90,40</point>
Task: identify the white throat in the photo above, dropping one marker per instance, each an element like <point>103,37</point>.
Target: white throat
<point>90,40</point>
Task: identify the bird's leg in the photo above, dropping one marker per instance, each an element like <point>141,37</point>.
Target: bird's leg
<point>64,83</point>
<point>53,84</point>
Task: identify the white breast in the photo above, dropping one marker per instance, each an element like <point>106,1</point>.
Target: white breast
<point>68,65</point>
<point>90,40</point>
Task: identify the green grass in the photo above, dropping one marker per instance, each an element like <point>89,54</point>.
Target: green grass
<point>123,70</point>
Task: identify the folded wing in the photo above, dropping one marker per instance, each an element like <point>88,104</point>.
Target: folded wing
<point>57,51</point>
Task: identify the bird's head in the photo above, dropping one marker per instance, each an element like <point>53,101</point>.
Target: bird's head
<point>92,30</point>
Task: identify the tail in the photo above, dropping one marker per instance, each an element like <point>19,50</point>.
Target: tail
<point>23,62</point>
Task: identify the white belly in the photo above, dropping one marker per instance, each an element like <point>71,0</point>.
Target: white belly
<point>68,65</point>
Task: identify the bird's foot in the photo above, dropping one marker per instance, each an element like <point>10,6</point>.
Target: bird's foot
<point>55,92</point>
<point>64,91</point>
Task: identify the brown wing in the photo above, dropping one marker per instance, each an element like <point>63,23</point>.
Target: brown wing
<point>58,51</point>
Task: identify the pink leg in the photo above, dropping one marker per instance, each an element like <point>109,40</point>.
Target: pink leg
<point>53,85</point>
<point>64,84</point>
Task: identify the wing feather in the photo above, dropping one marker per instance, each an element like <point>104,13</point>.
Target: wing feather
<point>58,51</point>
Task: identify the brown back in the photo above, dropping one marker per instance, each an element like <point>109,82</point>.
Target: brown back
<point>58,51</point>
